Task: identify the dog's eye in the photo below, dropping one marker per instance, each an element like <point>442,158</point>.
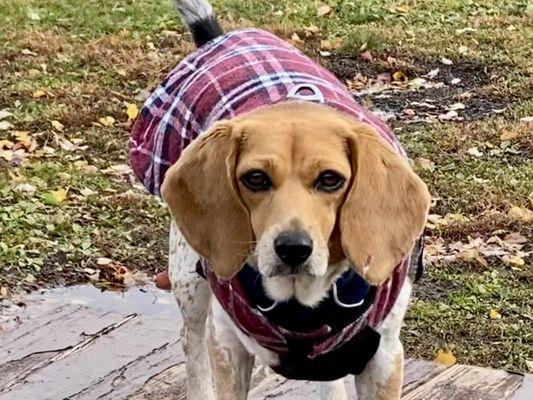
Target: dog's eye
<point>256,181</point>
<point>329,181</point>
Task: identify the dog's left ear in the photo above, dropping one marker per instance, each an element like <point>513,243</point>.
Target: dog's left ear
<point>385,209</point>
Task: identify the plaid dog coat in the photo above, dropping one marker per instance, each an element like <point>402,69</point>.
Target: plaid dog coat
<point>230,75</point>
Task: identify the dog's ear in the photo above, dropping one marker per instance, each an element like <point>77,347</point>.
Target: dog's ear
<point>385,209</point>
<point>201,192</point>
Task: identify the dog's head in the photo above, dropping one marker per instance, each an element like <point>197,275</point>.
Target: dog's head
<point>293,189</point>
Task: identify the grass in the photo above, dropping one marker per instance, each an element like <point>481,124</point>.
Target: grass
<point>65,65</point>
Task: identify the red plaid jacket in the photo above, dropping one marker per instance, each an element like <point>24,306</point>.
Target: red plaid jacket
<point>233,74</point>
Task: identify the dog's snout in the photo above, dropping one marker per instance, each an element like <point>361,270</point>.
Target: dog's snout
<point>294,248</point>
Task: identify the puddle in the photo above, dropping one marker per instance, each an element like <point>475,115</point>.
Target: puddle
<point>145,300</point>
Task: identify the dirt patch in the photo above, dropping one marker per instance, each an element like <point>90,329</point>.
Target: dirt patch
<point>416,91</point>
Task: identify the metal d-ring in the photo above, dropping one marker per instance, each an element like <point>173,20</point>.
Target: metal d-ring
<point>317,95</point>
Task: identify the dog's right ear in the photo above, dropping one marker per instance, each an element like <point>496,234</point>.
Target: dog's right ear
<point>201,192</point>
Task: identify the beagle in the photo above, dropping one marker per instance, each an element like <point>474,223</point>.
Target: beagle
<point>295,215</point>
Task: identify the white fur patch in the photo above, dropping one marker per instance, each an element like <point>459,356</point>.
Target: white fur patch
<point>192,11</point>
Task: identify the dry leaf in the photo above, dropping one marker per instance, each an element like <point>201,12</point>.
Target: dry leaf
<point>367,56</point>
<point>403,8</point>
<point>508,135</point>
<point>529,365</point>
<point>6,144</point>
<point>513,261</point>
<point>107,121</point>
<point>456,106</point>
<point>474,151</point>
<point>119,169</point>
<point>449,115</point>
<point>455,81</point>
<point>526,119</point>
<point>445,357</point>
<point>57,125</point>
<point>87,192</point>
<point>514,238</point>
<point>4,114</point>
<point>426,164</point>
<point>323,10</point>
<point>4,125</point>
<point>103,261</point>
<point>521,214</point>
<point>311,30</point>
<point>493,314</point>
<point>6,155</point>
<point>26,188</point>
<point>446,61</point>
<point>38,94</point>
<point>296,39</point>
<point>132,111</point>
<point>23,138</point>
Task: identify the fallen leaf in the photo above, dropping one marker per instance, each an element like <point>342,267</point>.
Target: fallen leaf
<point>311,30</point>
<point>462,50</point>
<point>508,135</point>
<point>87,192</point>
<point>38,94</point>
<point>399,76</point>
<point>426,164</point>
<point>433,73</point>
<point>6,155</point>
<point>449,115</point>
<point>103,261</point>
<point>474,152</point>
<point>403,8</point>
<point>456,106</point>
<point>132,111</point>
<point>514,238</point>
<point>26,188</point>
<point>4,292</point>
<point>446,61</point>
<point>4,114</point>
<point>6,144</point>
<point>521,214</point>
<point>323,10</point>
<point>57,125</point>
<point>445,357</point>
<point>529,365</point>
<point>493,314</point>
<point>119,169</point>
<point>367,56</point>
<point>4,125</point>
<point>28,52</point>
<point>296,39</point>
<point>23,138</point>
<point>455,81</point>
<point>55,197</point>
<point>329,45</point>
<point>473,255</point>
<point>107,121</point>
<point>526,119</point>
<point>513,260</point>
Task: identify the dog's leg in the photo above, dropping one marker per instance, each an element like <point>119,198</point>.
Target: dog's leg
<point>334,390</point>
<point>230,361</point>
<point>383,376</point>
<point>193,296</point>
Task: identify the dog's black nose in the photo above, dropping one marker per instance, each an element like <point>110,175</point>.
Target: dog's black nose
<point>293,247</point>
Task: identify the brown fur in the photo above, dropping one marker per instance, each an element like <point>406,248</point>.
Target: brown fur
<point>376,216</point>
<point>392,389</point>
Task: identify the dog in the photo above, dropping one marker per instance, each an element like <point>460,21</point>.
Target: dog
<point>296,218</point>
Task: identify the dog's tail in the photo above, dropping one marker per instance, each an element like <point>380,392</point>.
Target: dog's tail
<point>198,16</point>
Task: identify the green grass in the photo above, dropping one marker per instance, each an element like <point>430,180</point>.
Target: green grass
<point>93,57</point>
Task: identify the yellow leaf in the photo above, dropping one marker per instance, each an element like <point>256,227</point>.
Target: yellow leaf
<point>23,138</point>
<point>493,314</point>
<point>399,76</point>
<point>132,111</point>
<point>107,121</point>
<point>55,196</point>
<point>7,144</point>
<point>403,8</point>
<point>445,357</point>
<point>38,93</point>
<point>508,135</point>
<point>323,10</point>
<point>6,155</point>
<point>513,260</point>
<point>521,214</point>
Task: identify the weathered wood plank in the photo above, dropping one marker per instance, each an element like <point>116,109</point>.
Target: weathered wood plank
<point>417,372</point>
<point>467,383</point>
<point>525,391</point>
<point>59,329</point>
<point>79,371</point>
<point>167,385</point>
